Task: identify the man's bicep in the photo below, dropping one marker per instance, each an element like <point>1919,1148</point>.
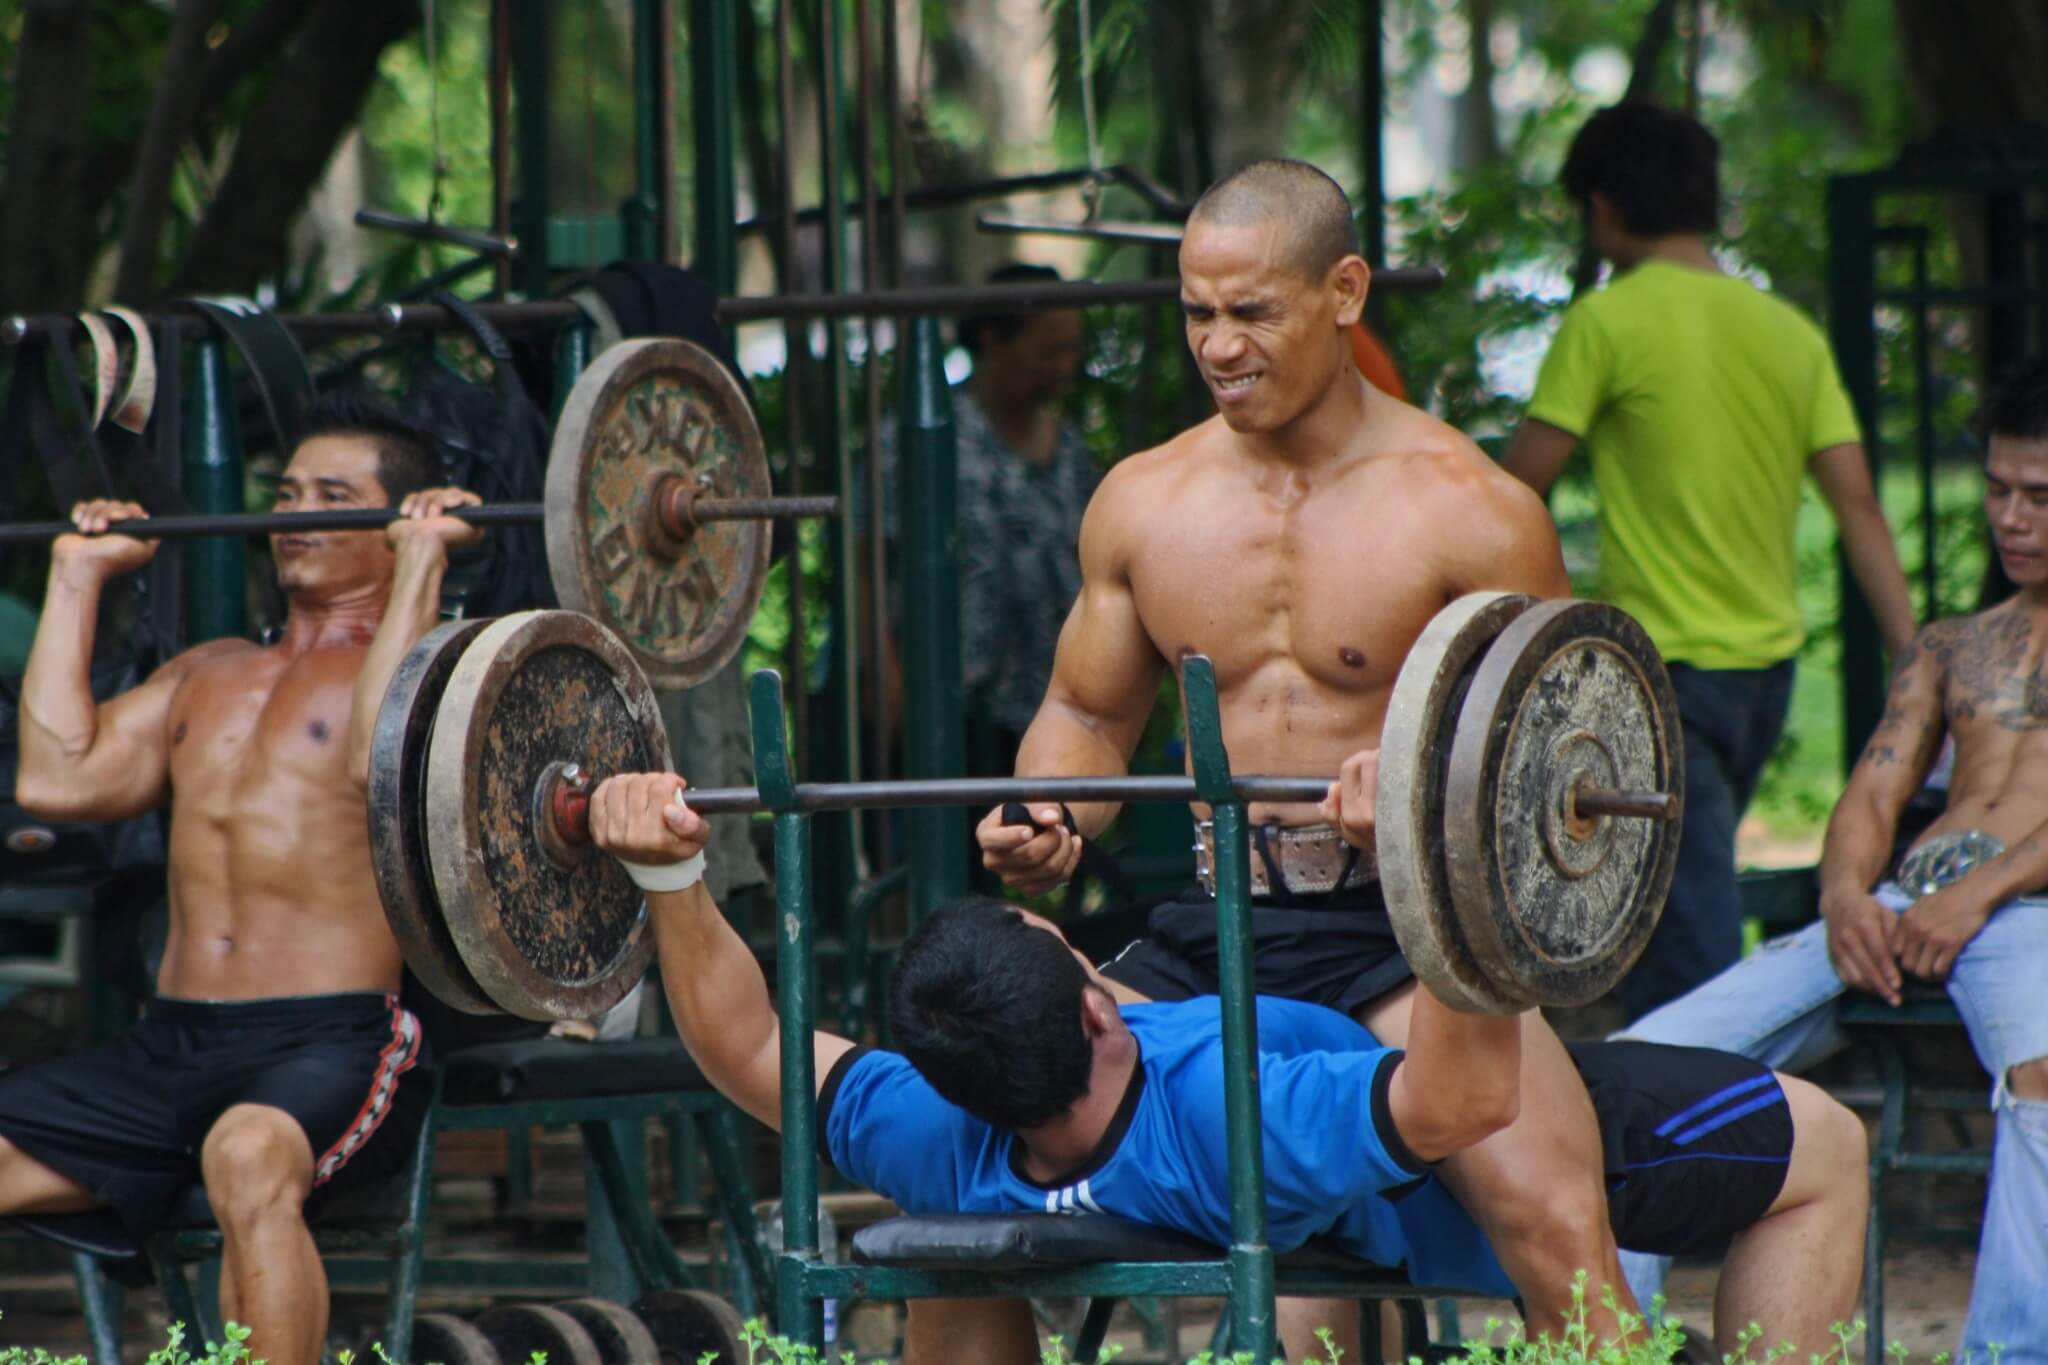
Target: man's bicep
<point>1105,668</point>
<point>1505,541</point>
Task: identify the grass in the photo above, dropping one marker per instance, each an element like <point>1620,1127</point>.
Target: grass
<point>1575,1345</point>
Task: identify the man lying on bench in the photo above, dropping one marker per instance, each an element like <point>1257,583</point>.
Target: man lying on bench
<point>1023,1086</point>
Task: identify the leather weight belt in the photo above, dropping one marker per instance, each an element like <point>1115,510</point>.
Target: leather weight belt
<point>1301,860</point>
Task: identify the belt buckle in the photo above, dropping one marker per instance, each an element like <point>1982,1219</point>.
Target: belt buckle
<point>1946,859</point>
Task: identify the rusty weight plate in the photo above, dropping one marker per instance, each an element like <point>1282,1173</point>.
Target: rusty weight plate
<point>1415,745</point>
<point>1556,909</point>
<point>548,933</point>
<point>646,408</point>
<point>398,829</point>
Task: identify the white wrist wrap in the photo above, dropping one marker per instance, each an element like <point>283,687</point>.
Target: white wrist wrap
<point>666,876</point>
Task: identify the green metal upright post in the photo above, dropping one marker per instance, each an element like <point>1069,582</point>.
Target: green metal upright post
<point>1852,304</point>
<point>934,741</point>
<point>530,81</point>
<point>1252,1323</point>
<point>572,358</point>
<point>714,73</point>
<point>845,571</point>
<point>643,214</point>
<point>797,1317</point>
<point>1372,99</point>
<point>215,573</point>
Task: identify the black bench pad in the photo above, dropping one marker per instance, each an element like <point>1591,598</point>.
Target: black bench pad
<point>1028,1241</point>
<point>539,1069</point>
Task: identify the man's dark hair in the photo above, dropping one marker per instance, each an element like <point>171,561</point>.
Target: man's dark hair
<point>2017,407</point>
<point>407,458</point>
<point>1307,200</point>
<point>978,329</point>
<point>987,1007</point>
<point>1660,168</point>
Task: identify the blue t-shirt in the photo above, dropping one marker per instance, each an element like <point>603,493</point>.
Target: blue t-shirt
<point>1335,1165</point>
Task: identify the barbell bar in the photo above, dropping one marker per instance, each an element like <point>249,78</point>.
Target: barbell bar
<point>566,791</point>
<point>675,507</point>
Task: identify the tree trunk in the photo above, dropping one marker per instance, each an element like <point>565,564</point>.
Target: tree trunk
<point>1648,57</point>
<point>170,118</point>
<point>315,96</point>
<point>46,237</point>
<point>1476,142</point>
<point>1978,69</point>
<point>1258,65</point>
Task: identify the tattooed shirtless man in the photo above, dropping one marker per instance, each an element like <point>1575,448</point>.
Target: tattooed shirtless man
<point>1967,904</point>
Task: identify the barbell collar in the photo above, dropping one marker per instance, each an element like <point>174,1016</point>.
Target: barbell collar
<point>1592,802</point>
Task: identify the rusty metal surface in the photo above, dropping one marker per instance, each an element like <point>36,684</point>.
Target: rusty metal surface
<point>645,408</point>
<point>1554,903</point>
<point>1409,798</point>
<point>546,938</point>
<point>397,801</point>
<point>620,1336</point>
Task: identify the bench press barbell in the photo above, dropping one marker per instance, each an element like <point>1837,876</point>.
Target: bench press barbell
<point>656,501</point>
<point>1527,795</point>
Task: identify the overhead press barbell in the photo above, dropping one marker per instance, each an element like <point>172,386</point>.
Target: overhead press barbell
<point>1528,788</point>
<point>657,499</point>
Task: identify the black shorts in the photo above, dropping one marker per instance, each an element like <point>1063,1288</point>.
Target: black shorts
<point>1335,949</point>
<point>126,1120</point>
<point>1696,1143</point>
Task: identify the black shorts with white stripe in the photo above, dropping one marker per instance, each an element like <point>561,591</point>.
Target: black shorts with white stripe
<point>1696,1143</point>
<point>127,1120</point>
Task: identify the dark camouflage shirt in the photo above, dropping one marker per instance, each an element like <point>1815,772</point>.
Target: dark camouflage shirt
<point>1020,567</point>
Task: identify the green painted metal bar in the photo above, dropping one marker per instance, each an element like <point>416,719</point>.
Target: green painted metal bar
<point>1852,327</point>
<point>1253,1327</point>
<point>530,84</point>
<point>641,216</point>
<point>572,357</point>
<point>714,66</point>
<point>797,1315</point>
<point>215,581</point>
<point>935,739</point>
<point>719,1130</point>
<point>840,858</point>
<point>860,913</point>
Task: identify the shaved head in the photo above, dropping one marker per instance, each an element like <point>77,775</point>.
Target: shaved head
<point>1318,216</point>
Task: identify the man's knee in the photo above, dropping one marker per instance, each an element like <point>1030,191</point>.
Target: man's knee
<point>255,1162</point>
<point>2029,1080</point>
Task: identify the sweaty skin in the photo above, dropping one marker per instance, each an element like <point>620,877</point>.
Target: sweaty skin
<point>266,752</point>
<point>1303,538</point>
<point>1982,681</point>
<point>271,891</point>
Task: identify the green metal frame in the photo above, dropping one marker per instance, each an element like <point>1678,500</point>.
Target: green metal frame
<point>215,584</point>
<point>1886,1032</point>
<point>1245,1273</point>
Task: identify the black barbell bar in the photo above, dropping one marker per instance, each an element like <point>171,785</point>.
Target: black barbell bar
<point>190,525</point>
<point>568,799</point>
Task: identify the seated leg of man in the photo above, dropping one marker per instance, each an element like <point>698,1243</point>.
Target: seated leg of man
<point>1995,983</point>
<point>28,1186</point>
<point>1797,1271</point>
<point>1536,1187</point>
<point>258,1167</point>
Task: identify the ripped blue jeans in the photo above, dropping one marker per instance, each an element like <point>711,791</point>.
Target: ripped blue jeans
<point>1777,1006</point>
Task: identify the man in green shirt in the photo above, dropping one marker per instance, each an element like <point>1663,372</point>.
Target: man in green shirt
<point>1703,402</point>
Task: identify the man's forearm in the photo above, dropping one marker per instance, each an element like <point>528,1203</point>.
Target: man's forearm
<point>413,610</point>
<point>717,995</point>
<point>1874,563</point>
<point>59,717</point>
<point>1857,848</point>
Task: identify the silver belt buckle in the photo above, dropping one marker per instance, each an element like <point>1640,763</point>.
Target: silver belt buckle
<point>1946,859</point>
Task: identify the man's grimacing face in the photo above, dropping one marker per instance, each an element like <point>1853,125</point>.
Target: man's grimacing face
<point>1263,333</point>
